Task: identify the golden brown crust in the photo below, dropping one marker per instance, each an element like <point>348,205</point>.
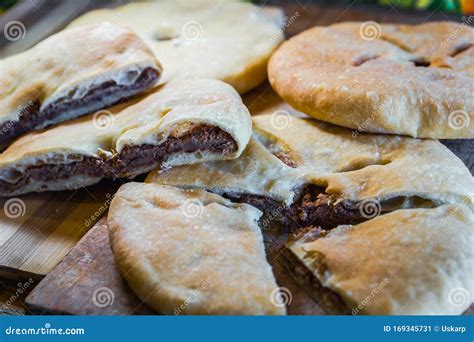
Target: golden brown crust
<point>343,75</point>
<point>190,251</point>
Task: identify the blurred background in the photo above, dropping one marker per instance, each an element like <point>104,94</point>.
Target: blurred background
<point>459,6</point>
<point>29,21</point>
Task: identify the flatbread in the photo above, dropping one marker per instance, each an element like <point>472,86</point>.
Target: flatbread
<point>72,73</point>
<point>226,40</point>
<point>408,262</point>
<point>191,252</point>
<point>184,122</point>
<point>414,80</point>
<point>388,191</point>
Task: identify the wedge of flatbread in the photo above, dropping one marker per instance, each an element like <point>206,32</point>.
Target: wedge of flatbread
<point>191,252</point>
<point>72,73</point>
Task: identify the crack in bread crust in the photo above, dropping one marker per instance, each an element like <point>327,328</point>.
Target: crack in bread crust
<point>314,207</point>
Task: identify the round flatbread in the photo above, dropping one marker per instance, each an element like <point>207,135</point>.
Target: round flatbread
<point>399,212</point>
<point>401,79</point>
<point>229,41</point>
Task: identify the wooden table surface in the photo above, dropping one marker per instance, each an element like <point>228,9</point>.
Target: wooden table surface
<point>307,14</point>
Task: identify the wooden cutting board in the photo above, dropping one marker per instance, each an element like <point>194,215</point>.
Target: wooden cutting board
<point>38,230</point>
<point>87,282</point>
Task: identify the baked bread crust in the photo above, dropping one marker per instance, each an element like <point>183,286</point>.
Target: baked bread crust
<point>340,75</point>
<point>171,112</point>
<point>415,198</point>
<point>190,251</point>
<point>408,262</point>
<point>368,167</point>
<point>187,35</point>
<point>67,67</point>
